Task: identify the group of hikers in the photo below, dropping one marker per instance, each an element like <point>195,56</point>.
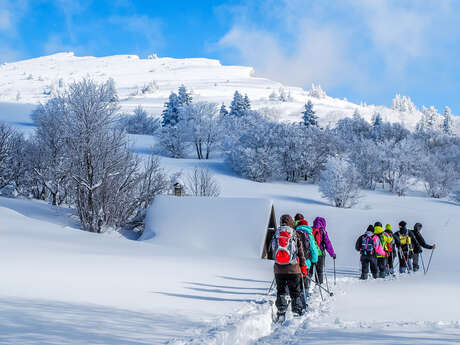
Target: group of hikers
<point>379,247</point>
<point>299,251</point>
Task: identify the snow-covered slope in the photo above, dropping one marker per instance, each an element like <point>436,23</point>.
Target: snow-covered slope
<point>61,285</point>
<point>148,82</point>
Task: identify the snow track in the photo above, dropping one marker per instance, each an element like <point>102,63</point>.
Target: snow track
<point>252,325</point>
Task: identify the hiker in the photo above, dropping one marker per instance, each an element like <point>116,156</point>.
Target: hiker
<point>289,266</point>
<point>404,240</point>
<point>391,250</point>
<point>311,253</point>
<point>418,244</point>
<point>385,240</point>
<point>368,245</point>
<point>324,244</point>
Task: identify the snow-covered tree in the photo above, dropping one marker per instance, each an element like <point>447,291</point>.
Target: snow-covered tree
<point>199,121</point>
<point>309,115</point>
<point>11,143</point>
<point>316,92</point>
<point>140,122</point>
<point>448,122</point>
<point>184,97</point>
<point>170,114</point>
<point>402,103</point>
<point>223,112</point>
<point>339,183</point>
<point>429,121</point>
<point>240,105</point>
<point>377,127</point>
<point>173,141</point>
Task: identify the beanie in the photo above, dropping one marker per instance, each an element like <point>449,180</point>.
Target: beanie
<point>418,226</point>
<point>302,222</point>
<point>378,224</point>
<point>298,216</point>
<point>388,227</point>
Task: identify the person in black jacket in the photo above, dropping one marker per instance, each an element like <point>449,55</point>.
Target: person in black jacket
<point>404,240</point>
<point>418,244</point>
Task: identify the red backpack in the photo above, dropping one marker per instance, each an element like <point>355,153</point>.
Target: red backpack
<point>285,246</point>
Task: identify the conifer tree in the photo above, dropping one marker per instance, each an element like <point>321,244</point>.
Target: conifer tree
<point>170,115</point>
<point>448,124</point>
<point>223,112</point>
<point>309,115</point>
<point>184,97</point>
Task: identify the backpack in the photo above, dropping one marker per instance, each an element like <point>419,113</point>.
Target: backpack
<point>384,241</point>
<point>317,235</point>
<point>285,246</point>
<point>367,245</point>
<point>306,244</point>
<point>406,242</point>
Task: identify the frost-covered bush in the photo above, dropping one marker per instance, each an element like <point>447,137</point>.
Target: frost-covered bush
<point>316,92</point>
<point>339,183</point>
<point>11,156</point>
<point>140,122</point>
<point>201,182</point>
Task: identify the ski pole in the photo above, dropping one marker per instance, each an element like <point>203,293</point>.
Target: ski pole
<point>325,273</point>
<point>271,285</point>
<point>429,262</point>
<point>304,293</point>
<point>423,264</point>
<point>320,287</point>
<point>335,283</point>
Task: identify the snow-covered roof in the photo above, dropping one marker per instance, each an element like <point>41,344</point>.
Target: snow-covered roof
<point>233,227</point>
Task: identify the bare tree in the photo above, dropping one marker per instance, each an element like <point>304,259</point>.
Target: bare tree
<point>11,144</point>
<point>201,182</point>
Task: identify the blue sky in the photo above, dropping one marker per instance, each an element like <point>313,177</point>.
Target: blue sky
<point>364,50</point>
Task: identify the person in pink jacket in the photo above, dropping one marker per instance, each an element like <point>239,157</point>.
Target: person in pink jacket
<point>369,246</point>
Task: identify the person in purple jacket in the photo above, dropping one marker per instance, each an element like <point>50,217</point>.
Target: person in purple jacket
<point>324,245</point>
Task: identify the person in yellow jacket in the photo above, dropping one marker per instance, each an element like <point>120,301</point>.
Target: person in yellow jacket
<point>385,240</point>
<point>391,250</point>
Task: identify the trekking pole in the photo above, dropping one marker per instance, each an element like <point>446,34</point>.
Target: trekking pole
<point>325,273</point>
<point>304,293</point>
<point>271,285</point>
<point>401,252</point>
<point>335,283</point>
<point>423,263</point>
<point>429,262</point>
<point>320,287</point>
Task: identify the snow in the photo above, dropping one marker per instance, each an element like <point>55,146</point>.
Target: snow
<point>61,285</point>
<point>35,80</point>
<point>234,227</point>
<point>67,286</point>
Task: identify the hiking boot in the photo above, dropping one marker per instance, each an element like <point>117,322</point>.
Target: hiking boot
<point>280,317</point>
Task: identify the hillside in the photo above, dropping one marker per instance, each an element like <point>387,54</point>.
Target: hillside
<point>148,82</point>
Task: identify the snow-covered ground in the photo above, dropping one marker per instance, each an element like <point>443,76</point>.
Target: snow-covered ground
<point>148,82</point>
<point>61,285</point>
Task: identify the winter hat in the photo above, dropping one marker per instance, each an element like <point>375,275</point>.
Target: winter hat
<point>319,222</point>
<point>287,220</point>
<point>370,228</point>
<point>388,227</point>
<point>402,224</point>
<point>298,216</point>
<point>378,224</point>
<point>302,222</point>
<point>418,226</point>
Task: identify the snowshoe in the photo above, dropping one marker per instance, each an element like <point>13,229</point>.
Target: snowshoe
<point>280,318</point>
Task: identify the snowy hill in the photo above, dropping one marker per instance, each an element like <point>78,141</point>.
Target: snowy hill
<point>148,82</point>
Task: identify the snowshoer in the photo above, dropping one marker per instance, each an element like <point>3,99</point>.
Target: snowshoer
<point>404,240</point>
<point>385,240</point>
<point>311,253</point>
<point>289,266</point>
<point>391,249</point>
<point>369,245</point>
<point>419,243</point>
<point>324,244</point>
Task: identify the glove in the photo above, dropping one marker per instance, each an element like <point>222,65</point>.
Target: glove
<point>303,268</point>
<point>433,246</point>
<point>334,257</point>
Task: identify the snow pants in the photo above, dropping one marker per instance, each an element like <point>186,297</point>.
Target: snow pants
<point>366,262</point>
<point>415,260</point>
<point>381,267</point>
<point>319,268</point>
<point>292,282</point>
<point>403,257</point>
<point>304,284</point>
<point>390,260</point>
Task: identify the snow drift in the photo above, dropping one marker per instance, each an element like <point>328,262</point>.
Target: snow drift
<point>233,227</point>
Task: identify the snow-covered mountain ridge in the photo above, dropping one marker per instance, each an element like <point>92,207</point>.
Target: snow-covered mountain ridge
<point>148,82</point>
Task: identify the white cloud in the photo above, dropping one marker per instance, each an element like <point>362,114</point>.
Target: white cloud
<point>334,43</point>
